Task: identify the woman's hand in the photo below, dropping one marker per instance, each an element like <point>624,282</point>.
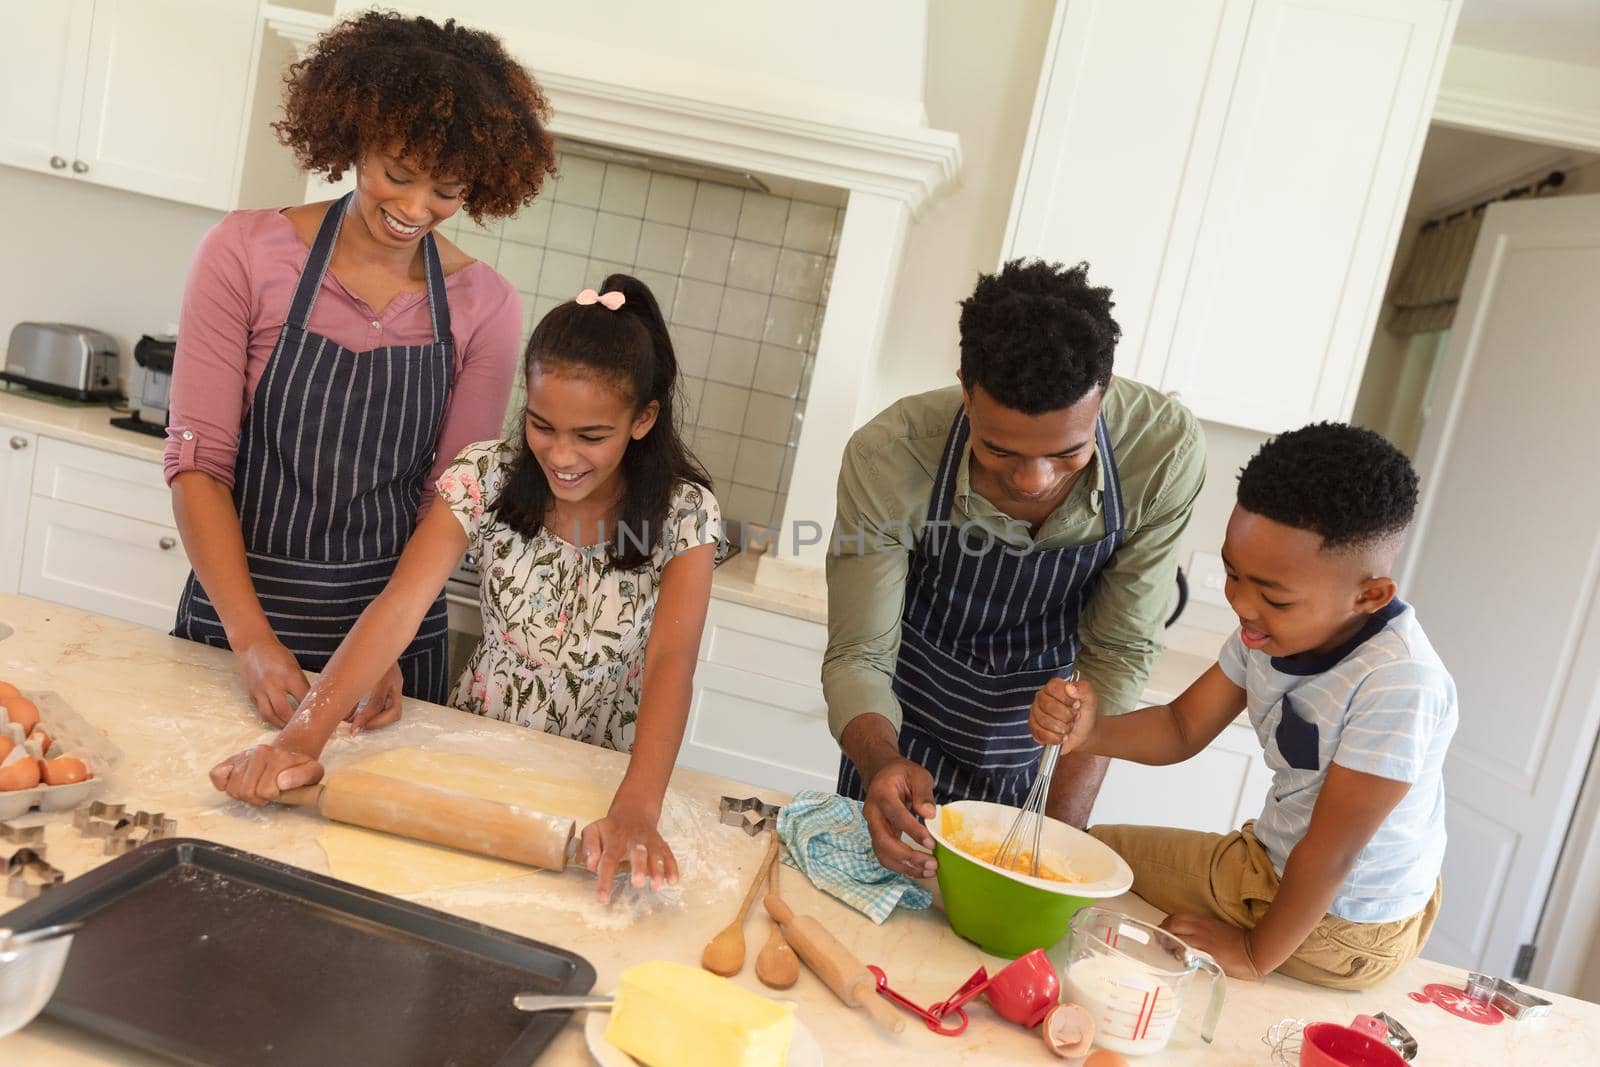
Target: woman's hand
<point>1063,713</point>
<point>260,775</point>
<point>382,706</point>
<point>627,835</point>
<point>272,677</point>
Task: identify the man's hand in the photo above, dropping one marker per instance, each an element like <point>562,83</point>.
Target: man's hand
<point>899,792</point>
<point>1228,945</point>
<point>272,677</point>
<point>1063,713</point>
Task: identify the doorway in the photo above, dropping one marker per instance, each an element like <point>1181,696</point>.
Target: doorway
<point>1492,395</point>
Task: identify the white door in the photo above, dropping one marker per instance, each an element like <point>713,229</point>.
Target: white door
<point>41,83</point>
<point>1504,566</point>
<point>164,104</point>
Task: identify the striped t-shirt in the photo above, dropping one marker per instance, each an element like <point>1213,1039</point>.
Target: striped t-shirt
<point>1382,704</point>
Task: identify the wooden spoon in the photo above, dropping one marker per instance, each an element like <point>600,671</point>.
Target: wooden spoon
<point>725,953</point>
<point>776,964</point>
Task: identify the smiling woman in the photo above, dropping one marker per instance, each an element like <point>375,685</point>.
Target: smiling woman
<point>334,357</point>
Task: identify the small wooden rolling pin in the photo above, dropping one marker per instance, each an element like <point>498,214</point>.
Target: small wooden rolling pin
<point>440,817</point>
<point>840,971</point>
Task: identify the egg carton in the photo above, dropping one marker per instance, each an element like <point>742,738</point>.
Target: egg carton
<point>70,735</point>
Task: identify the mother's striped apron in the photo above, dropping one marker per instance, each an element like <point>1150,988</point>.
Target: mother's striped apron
<point>333,455</point>
<point>985,625</point>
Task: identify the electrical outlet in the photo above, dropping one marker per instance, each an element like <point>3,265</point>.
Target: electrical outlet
<point>1207,578</point>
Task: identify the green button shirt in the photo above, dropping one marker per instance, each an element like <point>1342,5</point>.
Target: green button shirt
<point>885,480</point>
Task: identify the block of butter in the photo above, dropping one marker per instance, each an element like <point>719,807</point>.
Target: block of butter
<point>669,1015</point>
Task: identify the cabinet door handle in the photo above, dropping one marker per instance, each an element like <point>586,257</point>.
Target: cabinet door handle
<point>18,443</point>
<point>57,163</point>
<point>168,543</point>
<point>80,167</point>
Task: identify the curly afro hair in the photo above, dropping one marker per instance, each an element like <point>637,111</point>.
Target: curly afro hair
<point>1037,336</point>
<point>450,95</point>
<point>1348,485</point>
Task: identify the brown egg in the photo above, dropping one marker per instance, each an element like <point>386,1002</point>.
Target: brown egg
<point>21,774</point>
<point>7,691</point>
<point>1105,1058</point>
<point>22,711</point>
<point>63,771</point>
<point>42,736</point>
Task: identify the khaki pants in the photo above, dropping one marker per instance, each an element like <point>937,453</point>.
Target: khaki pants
<point>1231,878</point>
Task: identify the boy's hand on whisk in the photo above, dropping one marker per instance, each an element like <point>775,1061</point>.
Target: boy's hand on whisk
<point>1063,713</point>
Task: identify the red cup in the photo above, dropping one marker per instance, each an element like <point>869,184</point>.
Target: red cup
<point>1360,1044</point>
<point>1026,989</point>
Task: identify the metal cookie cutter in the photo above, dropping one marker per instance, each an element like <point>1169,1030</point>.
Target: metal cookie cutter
<point>750,814</point>
<point>1399,1038</point>
<point>122,832</point>
<point>1513,1002</point>
<point>23,836</point>
<point>28,873</point>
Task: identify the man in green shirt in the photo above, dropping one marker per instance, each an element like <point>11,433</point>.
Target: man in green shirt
<point>993,536</point>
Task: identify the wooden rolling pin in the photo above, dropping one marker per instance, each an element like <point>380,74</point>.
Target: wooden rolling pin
<point>440,817</point>
<point>841,972</point>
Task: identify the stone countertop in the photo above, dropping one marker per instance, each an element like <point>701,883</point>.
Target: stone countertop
<point>83,424</point>
<point>173,708</point>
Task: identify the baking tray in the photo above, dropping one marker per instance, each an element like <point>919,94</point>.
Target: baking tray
<point>211,956</point>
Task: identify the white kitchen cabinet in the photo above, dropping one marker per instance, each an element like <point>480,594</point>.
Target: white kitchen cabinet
<point>100,535</point>
<point>144,95</point>
<point>1216,791</point>
<point>757,714</point>
<point>17,449</point>
<point>1237,172</point>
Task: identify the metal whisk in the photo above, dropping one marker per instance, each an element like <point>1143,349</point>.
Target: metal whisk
<point>1028,827</point>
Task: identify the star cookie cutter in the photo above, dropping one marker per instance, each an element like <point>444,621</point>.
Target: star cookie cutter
<point>28,873</point>
<point>122,832</point>
<point>751,814</point>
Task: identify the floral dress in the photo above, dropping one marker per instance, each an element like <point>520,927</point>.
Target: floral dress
<point>564,632</point>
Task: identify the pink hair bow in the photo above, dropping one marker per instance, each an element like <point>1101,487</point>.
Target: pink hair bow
<point>612,300</point>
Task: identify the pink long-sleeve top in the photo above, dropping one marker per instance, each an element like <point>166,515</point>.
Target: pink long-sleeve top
<point>234,305</point>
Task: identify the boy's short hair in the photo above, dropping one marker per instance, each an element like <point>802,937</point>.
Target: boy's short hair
<point>1037,336</point>
<point>1348,485</point>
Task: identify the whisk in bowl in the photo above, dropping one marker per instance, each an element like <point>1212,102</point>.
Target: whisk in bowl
<point>1027,829</point>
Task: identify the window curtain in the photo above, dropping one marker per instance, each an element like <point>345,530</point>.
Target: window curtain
<point>1426,296</point>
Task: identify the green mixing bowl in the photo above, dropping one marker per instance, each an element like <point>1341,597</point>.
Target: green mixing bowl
<point>1008,914</point>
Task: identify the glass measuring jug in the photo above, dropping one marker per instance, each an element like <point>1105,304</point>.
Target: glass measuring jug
<point>1130,976</point>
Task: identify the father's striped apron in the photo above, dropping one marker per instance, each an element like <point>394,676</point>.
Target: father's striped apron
<point>984,627</point>
<point>332,458</point>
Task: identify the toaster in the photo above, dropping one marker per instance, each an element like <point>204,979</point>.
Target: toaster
<point>71,361</point>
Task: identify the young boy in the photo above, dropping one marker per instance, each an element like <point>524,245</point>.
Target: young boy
<point>1337,883</point>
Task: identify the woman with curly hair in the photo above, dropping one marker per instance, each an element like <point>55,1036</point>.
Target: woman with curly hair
<point>334,357</point>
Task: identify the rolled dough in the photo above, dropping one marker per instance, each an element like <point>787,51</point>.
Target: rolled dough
<point>395,865</point>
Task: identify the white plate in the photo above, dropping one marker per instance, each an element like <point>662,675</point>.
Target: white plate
<point>803,1050</point>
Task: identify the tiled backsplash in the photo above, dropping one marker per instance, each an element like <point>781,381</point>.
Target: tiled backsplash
<point>741,276</point>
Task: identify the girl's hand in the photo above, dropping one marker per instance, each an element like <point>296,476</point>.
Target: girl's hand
<point>260,775</point>
<point>272,677</point>
<point>628,836</point>
<point>382,706</point>
<point>1063,713</point>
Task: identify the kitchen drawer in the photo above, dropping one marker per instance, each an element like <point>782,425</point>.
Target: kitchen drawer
<point>760,730</point>
<point>105,563</point>
<point>764,642</point>
<point>103,481</point>
<point>1216,791</point>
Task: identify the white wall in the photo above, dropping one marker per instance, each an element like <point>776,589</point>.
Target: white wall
<point>812,60</point>
<point>1497,91</point>
<point>94,256</point>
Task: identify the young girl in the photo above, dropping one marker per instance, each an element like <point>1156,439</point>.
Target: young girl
<point>590,527</point>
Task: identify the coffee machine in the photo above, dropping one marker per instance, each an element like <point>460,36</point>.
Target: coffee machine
<point>148,399</point>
